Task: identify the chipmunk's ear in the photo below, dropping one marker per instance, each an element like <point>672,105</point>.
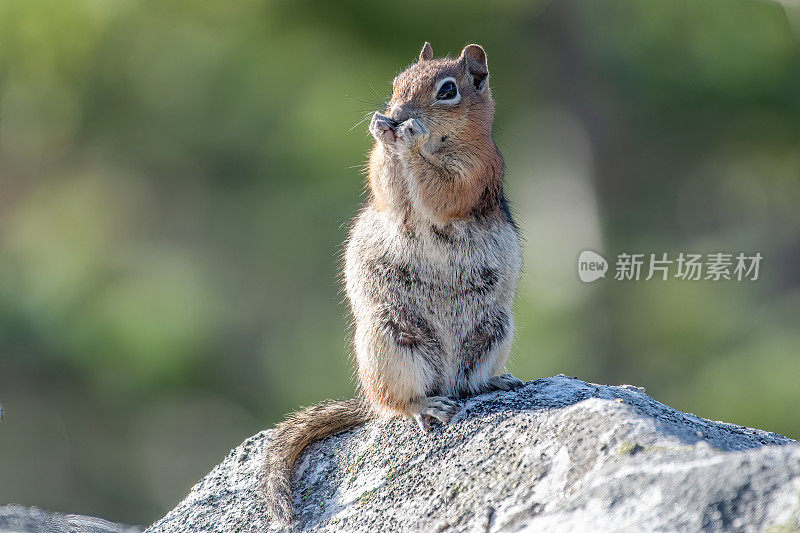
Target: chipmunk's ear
<point>475,59</point>
<point>426,53</point>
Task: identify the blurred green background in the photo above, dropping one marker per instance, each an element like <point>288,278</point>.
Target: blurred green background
<point>177,177</point>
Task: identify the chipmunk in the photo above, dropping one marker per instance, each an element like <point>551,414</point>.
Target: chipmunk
<point>431,264</point>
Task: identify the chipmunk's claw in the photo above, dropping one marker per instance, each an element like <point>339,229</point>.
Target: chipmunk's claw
<point>423,421</point>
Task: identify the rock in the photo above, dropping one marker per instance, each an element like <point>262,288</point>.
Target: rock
<point>558,455</point>
<point>18,519</point>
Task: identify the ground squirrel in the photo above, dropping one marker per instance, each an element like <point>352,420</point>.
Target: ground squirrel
<point>431,264</point>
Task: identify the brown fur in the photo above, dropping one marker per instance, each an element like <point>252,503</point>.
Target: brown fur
<point>384,397</point>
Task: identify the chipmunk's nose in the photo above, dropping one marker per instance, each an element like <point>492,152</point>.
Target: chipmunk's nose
<point>401,113</point>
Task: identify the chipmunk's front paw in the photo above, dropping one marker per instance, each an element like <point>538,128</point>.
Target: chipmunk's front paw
<point>384,129</point>
<point>412,132</point>
<point>504,382</point>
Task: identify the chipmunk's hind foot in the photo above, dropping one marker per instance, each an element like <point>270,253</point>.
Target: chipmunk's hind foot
<point>504,382</point>
<point>439,407</point>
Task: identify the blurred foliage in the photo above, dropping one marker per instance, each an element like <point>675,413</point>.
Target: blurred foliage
<point>176,179</point>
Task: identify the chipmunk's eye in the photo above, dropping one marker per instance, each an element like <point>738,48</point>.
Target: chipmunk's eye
<point>447,91</point>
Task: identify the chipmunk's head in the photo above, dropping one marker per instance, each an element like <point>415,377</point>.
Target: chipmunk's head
<point>434,150</point>
<point>449,98</point>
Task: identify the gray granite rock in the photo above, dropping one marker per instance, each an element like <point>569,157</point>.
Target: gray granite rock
<point>558,455</point>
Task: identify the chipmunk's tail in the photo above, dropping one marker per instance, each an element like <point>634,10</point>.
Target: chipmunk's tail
<point>292,436</point>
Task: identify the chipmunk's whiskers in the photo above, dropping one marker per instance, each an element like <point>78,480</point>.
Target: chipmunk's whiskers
<point>364,101</point>
<point>369,114</point>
